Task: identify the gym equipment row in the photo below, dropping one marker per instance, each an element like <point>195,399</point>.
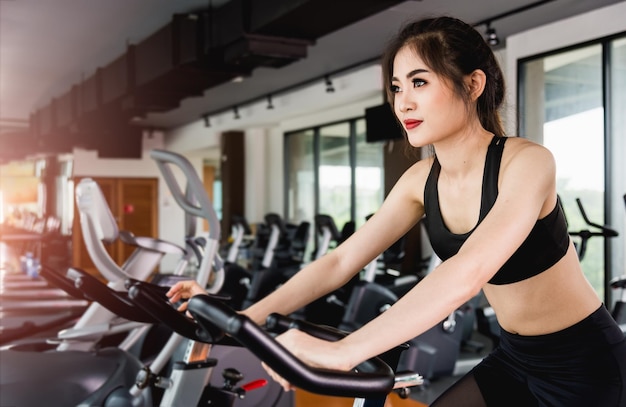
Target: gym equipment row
<point>91,373</point>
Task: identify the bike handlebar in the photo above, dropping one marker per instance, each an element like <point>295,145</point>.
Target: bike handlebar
<point>371,379</point>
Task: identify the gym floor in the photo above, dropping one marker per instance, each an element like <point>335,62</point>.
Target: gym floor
<point>304,399</point>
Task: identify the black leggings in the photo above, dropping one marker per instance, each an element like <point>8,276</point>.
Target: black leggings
<point>583,365</point>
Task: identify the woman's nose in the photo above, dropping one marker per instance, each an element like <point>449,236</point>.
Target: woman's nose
<point>405,104</point>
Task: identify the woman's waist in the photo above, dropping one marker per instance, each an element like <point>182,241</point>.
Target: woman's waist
<point>546,305</point>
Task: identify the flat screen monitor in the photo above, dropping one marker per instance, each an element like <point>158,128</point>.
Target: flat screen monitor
<point>381,124</point>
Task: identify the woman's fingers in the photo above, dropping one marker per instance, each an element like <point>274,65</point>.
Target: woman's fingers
<point>175,292</point>
<point>183,290</point>
<point>277,378</point>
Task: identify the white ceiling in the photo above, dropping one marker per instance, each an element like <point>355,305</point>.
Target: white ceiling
<point>47,46</point>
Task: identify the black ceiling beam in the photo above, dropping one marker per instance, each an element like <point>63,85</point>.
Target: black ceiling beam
<point>192,53</point>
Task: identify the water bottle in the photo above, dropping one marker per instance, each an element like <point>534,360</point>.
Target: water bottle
<point>33,268</point>
<point>26,262</point>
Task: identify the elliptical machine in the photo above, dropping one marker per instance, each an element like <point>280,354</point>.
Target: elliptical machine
<point>111,376</point>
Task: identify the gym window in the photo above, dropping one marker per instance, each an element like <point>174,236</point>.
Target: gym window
<point>330,169</point>
<point>572,101</point>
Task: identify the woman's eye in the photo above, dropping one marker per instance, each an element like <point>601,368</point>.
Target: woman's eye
<point>418,83</point>
<point>394,89</point>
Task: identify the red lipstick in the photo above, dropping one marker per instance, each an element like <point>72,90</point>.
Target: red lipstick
<point>411,123</point>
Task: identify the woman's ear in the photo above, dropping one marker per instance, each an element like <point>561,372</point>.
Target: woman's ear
<point>475,82</point>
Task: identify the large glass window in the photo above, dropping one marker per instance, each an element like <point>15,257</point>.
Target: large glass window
<point>301,176</point>
<point>333,171</point>
<point>369,176</point>
<point>617,151</point>
<point>563,105</point>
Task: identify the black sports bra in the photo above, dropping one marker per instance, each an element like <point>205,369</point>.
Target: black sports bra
<point>546,244</point>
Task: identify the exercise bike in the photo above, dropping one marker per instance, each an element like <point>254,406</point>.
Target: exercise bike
<point>370,383</point>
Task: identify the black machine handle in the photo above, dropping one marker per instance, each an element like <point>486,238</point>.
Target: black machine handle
<point>55,278</point>
<point>371,379</point>
<point>585,234</point>
<point>322,221</point>
<point>115,301</point>
<point>151,298</point>
<point>605,231</point>
<point>618,282</point>
<point>243,222</point>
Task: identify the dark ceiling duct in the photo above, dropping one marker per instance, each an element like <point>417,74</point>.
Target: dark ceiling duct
<point>192,53</point>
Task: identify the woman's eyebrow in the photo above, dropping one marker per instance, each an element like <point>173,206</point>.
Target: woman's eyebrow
<point>412,73</point>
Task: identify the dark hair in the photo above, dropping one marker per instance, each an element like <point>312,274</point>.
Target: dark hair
<point>452,49</point>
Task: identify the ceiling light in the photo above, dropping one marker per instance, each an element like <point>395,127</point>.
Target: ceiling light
<point>491,36</point>
<point>329,84</point>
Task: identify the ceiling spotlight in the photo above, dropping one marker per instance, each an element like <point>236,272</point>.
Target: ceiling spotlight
<point>329,84</point>
<point>491,36</point>
<point>207,122</point>
<point>236,112</point>
<point>270,105</point>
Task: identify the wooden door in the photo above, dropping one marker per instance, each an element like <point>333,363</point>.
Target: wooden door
<point>233,170</point>
<point>133,203</point>
<point>208,179</point>
<point>137,211</point>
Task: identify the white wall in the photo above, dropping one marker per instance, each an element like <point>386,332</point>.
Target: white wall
<point>87,162</point>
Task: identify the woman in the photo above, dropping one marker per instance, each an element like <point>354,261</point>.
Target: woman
<point>493,218</point>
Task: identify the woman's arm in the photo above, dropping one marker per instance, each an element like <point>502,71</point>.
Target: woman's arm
<point>337,267</point>
<point>527,192</point>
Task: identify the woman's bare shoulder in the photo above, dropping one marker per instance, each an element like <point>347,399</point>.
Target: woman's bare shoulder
<point>413,181</point>
<point>528,171</point>
<point>418,172</point>
<point>523,151</point>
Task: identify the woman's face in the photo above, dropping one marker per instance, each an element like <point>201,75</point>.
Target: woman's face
<point>424,103</point>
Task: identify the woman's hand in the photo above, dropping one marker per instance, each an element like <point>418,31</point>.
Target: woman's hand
<point>312,351</point>
<point>183,290</point>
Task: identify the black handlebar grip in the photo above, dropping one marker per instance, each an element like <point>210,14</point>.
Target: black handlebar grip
<point>374,379</point>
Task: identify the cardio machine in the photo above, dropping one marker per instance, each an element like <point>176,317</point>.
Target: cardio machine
<point>278,255</point>
<point>370,385</point>
<point>83,373</point>
<point>112,376</point>
<point>93,323</point>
